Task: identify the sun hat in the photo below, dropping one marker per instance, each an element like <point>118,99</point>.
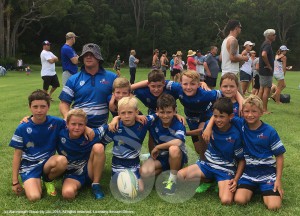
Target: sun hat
<point>191,53</point>
<point>179,53</point>
<point>71,35</point>
<point>94,49</point>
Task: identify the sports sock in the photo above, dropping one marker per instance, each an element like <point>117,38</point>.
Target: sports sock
<point>173,177</point>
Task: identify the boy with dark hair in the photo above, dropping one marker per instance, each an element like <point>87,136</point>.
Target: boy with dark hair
<point>35,144</point>
<point>224,155</point>
<point>169,152</point>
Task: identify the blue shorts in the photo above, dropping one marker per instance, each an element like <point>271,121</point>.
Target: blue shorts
<point>193,122</point>
<point>164,160</point>
<point>212,173</point>
<point>119,164</point>
<point>29,170</point>
<point>266,188</point>
<point>83,177</point>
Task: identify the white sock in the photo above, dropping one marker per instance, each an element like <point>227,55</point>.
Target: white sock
<point>173,177</point>
<point>94,183</point>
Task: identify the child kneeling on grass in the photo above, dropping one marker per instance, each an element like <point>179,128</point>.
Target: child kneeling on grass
<point>35,143</point>
<point>261,143</point>
<point>86,158</point>
<point>224,155</point>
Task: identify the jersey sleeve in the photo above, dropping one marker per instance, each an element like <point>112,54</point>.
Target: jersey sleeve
<point>17,139</point>
<point>100,132</point>
<point>276,143</point>
<point>180,131</point>
<point>172,86</point>
<point>237,122</point>
<point>67,94</point>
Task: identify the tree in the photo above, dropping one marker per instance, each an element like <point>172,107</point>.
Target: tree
<point>19,15</point>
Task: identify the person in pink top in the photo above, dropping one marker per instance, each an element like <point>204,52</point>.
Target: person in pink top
<point>191,62</point>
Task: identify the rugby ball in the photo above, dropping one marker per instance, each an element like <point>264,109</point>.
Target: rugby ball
<point>127,184</point>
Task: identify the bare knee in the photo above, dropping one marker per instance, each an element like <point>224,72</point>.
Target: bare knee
<point>273,206</point>
<point>241,200</point>
<point>98,149</point>
<point>62,161</point>
<point>226,201</point>
<point>34,197</point>
<point>174,151</point>
<point>68,194</point>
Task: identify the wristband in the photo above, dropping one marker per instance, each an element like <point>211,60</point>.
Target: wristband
<point>15,184</point>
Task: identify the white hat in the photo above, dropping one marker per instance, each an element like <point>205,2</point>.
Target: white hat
<point>249,43</point>
<point>284,48</point>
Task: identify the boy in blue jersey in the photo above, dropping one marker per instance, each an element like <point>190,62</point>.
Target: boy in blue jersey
<point>169,152</point>
<point>261,143</point>
<point>262,170</point>
<point>224,155</point>
<point>128,139</point>
<point>196,102</point>
<point>35,144</point>
<point>89,89</point>
<point>85,158</point>
<point>121,88</point>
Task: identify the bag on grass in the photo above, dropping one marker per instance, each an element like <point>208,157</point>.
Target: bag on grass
<point>285,98</point>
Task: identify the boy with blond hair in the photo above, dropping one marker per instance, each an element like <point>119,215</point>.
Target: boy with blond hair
<point>261,145</point>
<point>86,158</point>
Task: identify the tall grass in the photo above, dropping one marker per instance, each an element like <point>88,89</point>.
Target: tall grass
<point>14,90</point>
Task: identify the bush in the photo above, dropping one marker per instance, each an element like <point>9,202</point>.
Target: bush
<point>8,63</point>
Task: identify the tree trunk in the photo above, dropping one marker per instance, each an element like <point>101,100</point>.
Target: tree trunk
<point>2,40</point>
<point>7,36</point>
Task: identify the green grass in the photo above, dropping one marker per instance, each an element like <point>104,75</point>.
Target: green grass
<point>14,90</point>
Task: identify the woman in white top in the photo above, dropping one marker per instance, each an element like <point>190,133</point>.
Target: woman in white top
<point>279,72</point>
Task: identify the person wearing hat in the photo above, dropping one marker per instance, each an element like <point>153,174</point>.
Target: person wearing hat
<point>279,71</point>
<point>191,62</point>
<point>69,58</point>
<point>89,91</point>
<point>48,72</point>
<point>255,75</point>
<point>246,69</point>
<point>230,48</point>
<point>178,67</point>
<point>266,68</point>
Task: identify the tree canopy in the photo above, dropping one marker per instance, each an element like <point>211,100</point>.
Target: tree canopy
<point>121,25</point>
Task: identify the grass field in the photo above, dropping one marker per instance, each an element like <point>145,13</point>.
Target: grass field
<point>14,90</point>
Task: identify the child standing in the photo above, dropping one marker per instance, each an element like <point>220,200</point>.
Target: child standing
<point>224,155</point>
<point>34,155</point>
<point>85,158</point>
<point>169,152</point>
<point>117,65</point>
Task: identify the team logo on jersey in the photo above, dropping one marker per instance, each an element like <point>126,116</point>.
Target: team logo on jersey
<point>103,81</point>
<point>148,100</point>
<point>230,140</point>
<point>119,130</point>
<point>156,129</point>
<point>63,140</point>
<point>30,144</point>
<point>82,83</point>
<point>50,127</point>
<point>29,130</point>
<point>181,96</point>
<point>84,142</point>
<point>262,136</point>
